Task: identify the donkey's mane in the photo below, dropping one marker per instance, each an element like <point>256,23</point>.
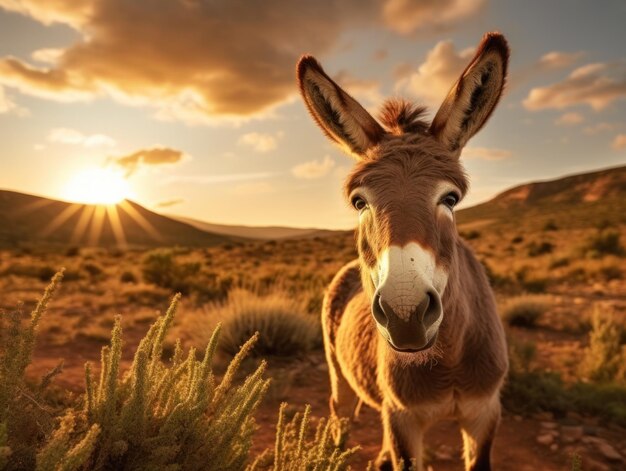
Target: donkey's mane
<point>400,116</point>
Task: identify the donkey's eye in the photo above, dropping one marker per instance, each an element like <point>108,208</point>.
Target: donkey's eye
<point>450,200</point>
<point>359,203</point>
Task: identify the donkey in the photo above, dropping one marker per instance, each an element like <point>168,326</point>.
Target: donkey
<point>410,328</point>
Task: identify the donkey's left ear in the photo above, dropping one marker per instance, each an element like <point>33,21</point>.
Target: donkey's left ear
<point>339,115</point>
<point>474,96</point>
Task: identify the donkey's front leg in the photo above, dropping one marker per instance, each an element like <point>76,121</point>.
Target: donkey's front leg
<point>402,441</point>
<point>479,421</point>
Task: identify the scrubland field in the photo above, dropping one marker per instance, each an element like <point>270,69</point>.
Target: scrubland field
<point>558,270</point>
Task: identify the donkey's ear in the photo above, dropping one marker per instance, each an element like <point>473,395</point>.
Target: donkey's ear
<point>474,96</point>
<point>339,115</point>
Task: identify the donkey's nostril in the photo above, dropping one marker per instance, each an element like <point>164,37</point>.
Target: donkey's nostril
<point>433,309</point>
<point>378,310</point>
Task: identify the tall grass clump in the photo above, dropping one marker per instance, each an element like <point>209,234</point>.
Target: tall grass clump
<point>524,310</point>
<point>605,242</point>
<point>295,449</point>
<point>22,416</point>
<point>161,268</point>
<point>605,357</point>
<point>281,320</point>
<point>175,415</point>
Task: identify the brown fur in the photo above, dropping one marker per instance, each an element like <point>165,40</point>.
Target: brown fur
<point>400,173</point>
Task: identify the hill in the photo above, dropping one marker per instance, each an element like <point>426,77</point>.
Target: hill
<point>576,201</point>
<point>258,232</point>
<point>27,219</point>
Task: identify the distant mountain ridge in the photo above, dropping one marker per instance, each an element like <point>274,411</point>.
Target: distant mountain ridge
<point>257,232</point>
<point>29,219</point>
<point>583,200</point>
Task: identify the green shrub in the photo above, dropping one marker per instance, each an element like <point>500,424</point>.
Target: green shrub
<point>161,268</point>
<point>281,320</point>
<point>604,357</point>
<point>535,391</point>
<point>523,311</point>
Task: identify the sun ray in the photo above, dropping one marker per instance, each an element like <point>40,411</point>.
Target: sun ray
<point>116,225</point>
<point>33,206</point>
<point>139,219</point>
<point>59,219</point>
<point>83,222</point>
<point>97,221</point>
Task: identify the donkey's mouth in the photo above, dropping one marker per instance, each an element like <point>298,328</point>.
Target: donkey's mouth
<point>429,344</point>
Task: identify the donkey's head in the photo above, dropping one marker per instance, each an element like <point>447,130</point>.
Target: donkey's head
<point>405,185</point>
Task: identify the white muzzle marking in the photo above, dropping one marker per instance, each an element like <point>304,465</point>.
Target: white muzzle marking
<point>405,275</point>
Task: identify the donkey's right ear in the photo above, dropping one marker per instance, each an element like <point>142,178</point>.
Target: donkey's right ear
<point>339,115</point>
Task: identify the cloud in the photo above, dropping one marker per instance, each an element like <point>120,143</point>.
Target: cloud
<point>170,203</point>
<point>558,59</point>
<point>361,89</point>
<point>149,157</point>
<point>619,142</point>
<point>596,85</point>
<point>314,168</point>
<point>408,16</point>
<point>598,128</point>
<point>73,137</point>
<point>436,75</point>
<point>257,188</point>
<point>260,142</point>
<point>198,61</point>
<point>485,153</point>
<point>569,119</point>
<point>227,178</point>
<point>8,106</point>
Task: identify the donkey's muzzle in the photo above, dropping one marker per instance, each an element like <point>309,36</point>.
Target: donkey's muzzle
<point>412,333</point>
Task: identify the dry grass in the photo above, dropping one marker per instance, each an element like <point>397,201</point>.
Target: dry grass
<point>281,319</point>
<point>524,310</point>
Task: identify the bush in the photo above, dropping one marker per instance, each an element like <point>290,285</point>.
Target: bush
<point>156,416</point>
<point>281,320</point>
<point>550,225</point>
<point>523,311</point>
<point>535,249</point>
<point>128,277</point>
<point>604,357</point>
<point>534,391</point>
<point>92,269</point>
<point>604,242</point>
<point>295,451</point>
<point>470,235</point>
<point>161,268</point>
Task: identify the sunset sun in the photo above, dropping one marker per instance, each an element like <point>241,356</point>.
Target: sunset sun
<point>97,186</point>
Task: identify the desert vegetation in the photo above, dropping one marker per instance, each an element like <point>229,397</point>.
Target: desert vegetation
<point>563,309</point>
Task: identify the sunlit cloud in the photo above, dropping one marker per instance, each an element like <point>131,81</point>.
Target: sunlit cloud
<point>619,142</point>
<point>74,137</point>
<point>227,178</point>
<point>149,157</point>
<point>170,203</point>
<point>436,75</point>
<point>213,69</point>
<point>485,153</point>
<point>569,119</point>
<point>558,59</point>
<point>260,142</point>
<point>408,16</point>
<point>598,128</point>
<point>596,85</point>
<point>9,106</point>
<point>364,90</point>
<point>314,168</point>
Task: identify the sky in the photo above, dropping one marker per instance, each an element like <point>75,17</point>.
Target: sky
<point>190,107</point>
